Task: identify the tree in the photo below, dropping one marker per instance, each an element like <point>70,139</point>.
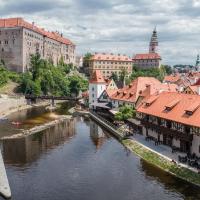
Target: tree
<point>125,112</point>
<point>114,76</point>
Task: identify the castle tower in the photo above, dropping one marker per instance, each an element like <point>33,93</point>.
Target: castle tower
<point>154,42</point>
<point>197,65</point>
<point>97,85</point>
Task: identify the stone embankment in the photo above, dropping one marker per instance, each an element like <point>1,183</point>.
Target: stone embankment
<point>10,105</point>
<point>162,162</point>
<point>39,128</point>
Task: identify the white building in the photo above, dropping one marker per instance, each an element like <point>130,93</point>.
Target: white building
<point>97,85</point>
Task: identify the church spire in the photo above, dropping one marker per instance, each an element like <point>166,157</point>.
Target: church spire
<point>154,42</point>
<point>197,65</point>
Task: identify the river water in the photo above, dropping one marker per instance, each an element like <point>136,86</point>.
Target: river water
<point>78,160</point>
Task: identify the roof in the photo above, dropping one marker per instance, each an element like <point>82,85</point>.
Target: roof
<point>131,92</point>
<point>172,78</point>
<point>110,57</point>
<point>20,22</point>
<point>97,77</point>
<point>146,56</point>
<point>111,92</point>
<point>180,103</point>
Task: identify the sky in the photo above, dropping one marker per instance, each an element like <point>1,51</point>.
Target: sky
<point>118,26</point>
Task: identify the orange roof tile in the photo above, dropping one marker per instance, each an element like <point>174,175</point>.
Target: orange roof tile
<point>110,57</point>
<point>97,77</point>
<point>178,112</point>
<point>172,78</point>
<point>146,56</point>
<point>142,86</point>
<point>19,22</point>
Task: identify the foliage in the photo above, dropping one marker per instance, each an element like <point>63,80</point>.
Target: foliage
<point>6,75</point>
<point>86,59</point>
<point>3,76</point>
<point>114,76</point>
<point>123,74</point>
<point>45,78</point>
<point>125,112</point>
<point>158,73</point>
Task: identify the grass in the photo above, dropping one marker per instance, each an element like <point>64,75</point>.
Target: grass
<point>162,163</point>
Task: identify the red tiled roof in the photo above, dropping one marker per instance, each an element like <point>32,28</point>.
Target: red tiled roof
<point>172,78</point>
<point>97,77</point>
<point>178,112</point>
<point>110,57</point>
<point>145,56</point>
<point>19,22</point>
<point>111,92</point>
<point>131,92</point>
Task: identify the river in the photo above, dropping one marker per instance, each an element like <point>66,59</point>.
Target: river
<point>78,160</point>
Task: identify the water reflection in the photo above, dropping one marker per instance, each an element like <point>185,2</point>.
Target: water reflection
<point>20,151</point>
<point>97,134</point>
<point>171,183</point>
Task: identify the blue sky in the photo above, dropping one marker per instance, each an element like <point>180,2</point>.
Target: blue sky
<point>118,26</point>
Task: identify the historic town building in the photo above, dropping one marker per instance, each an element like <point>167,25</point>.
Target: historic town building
<point>110,63</point>
<point>19,39</point>
<point>151,59</point>
<point>97,85</point>
<point>172,119</point>
<point>139,88</point>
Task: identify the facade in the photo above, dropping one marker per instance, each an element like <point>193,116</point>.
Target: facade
<point>173,119</point>
<point>151,59</point>
<point>97,85</point>
<point>19,39</point>
<point>110,63</point>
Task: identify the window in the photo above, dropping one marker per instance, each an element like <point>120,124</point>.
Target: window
<point>92,89</point>
<point>199,149</point>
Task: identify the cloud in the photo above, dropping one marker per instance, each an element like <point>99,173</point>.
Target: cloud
<point>123,26</point>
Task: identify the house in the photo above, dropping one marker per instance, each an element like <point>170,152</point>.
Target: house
<point>173,119</point>
<point>139,87</point>
<point>97,85</point>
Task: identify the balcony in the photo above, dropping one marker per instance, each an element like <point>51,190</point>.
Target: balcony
<point>170,132</point>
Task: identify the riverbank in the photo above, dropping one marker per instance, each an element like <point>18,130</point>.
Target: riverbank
<point>9,105</point>
<point>162,163</point>
<point>39,128</point>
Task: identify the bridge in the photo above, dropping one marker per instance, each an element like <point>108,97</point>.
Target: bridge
<point>52,98</point>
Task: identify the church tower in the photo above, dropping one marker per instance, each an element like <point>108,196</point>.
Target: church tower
<point>153,46</point>
<point>197,65</point>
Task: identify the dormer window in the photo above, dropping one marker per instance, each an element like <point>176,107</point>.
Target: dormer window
<point>171,105</point>
<point>191,109</point>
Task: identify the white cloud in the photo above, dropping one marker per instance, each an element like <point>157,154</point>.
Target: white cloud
<point>123,26</point>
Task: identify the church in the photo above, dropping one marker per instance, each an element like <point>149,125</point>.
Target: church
<point>151,59</point>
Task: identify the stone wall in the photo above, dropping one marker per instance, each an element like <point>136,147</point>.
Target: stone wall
<point>8,104</point>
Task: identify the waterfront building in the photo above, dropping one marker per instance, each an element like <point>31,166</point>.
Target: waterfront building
<point>110,63</point>
<point>151,59</point>
<point>173,119</point>
<point>19,39</point>
<point>97,85</point>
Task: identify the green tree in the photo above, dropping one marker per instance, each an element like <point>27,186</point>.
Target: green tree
<point>125,112</point>
<point>114,76</point>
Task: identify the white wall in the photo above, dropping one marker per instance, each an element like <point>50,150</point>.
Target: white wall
<point>95,90</point>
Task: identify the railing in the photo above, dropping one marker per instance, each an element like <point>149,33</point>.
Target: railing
<point>122,133</point>
<point>165,130</point>
<point>53,97</point>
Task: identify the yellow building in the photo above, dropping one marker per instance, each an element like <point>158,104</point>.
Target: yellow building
<point>110,63</point>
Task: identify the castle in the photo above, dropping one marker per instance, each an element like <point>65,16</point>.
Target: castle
<point>19,39</point>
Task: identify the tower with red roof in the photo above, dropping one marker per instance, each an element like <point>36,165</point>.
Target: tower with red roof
<point>97,85</point>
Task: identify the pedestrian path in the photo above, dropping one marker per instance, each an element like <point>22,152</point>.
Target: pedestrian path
<point>162,150</point>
